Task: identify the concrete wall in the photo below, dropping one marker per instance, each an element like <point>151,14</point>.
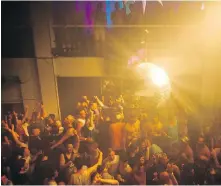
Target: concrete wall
<point>25,69</point>
<point>79,67</point>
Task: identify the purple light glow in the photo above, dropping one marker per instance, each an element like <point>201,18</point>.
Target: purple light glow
<point>77,6</point>
<point>88,12</point>
<point>137,58</point>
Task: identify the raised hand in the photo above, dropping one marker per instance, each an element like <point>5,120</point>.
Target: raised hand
<point>14,113</point>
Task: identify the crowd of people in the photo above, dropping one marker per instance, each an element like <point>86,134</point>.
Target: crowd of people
<point>102,143</point>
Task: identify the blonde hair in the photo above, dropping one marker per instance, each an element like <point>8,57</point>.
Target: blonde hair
<point>71,118</point>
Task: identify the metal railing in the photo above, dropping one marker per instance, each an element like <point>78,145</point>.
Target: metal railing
<point>125,26</point>
<point>82,43</point>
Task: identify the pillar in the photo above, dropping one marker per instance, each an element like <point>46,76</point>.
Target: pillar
<point>41,18</point>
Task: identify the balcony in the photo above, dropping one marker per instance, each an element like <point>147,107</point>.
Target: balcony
<point>157,28</point>
<point>79,40</point>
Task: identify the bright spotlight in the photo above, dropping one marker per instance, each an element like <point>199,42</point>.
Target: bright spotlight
<point>159,76</point>
<point>155,82</point>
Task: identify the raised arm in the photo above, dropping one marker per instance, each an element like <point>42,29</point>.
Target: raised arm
<point>43,112</point>
<point>173,179</point>
<point>14,119</point>
<point>170,169</point>
<point>38,110</point>
<point>26,114</point>
<point>15,136</point>
<point>99,101</point>
<point>68,134</point>
<point>99,162</point>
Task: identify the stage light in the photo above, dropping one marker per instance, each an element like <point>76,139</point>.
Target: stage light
<point>159,76</point>
<point>155,82</point>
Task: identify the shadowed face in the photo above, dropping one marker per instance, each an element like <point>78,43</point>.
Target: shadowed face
<point>50,121</point>
<point>143,145</point>
<point>111,155</point>
<point>36,132</point>
<point>164,159</point>
<point>142,160</point>
<point>82,114</point>
<point>155,159</point>
<point>68,120</point>
<point>200,142</point>
<point>70,148</point>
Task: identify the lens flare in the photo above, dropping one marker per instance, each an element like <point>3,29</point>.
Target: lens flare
<point>159,76</point>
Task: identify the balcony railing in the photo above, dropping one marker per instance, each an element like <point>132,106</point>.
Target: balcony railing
<point>82,40</point>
